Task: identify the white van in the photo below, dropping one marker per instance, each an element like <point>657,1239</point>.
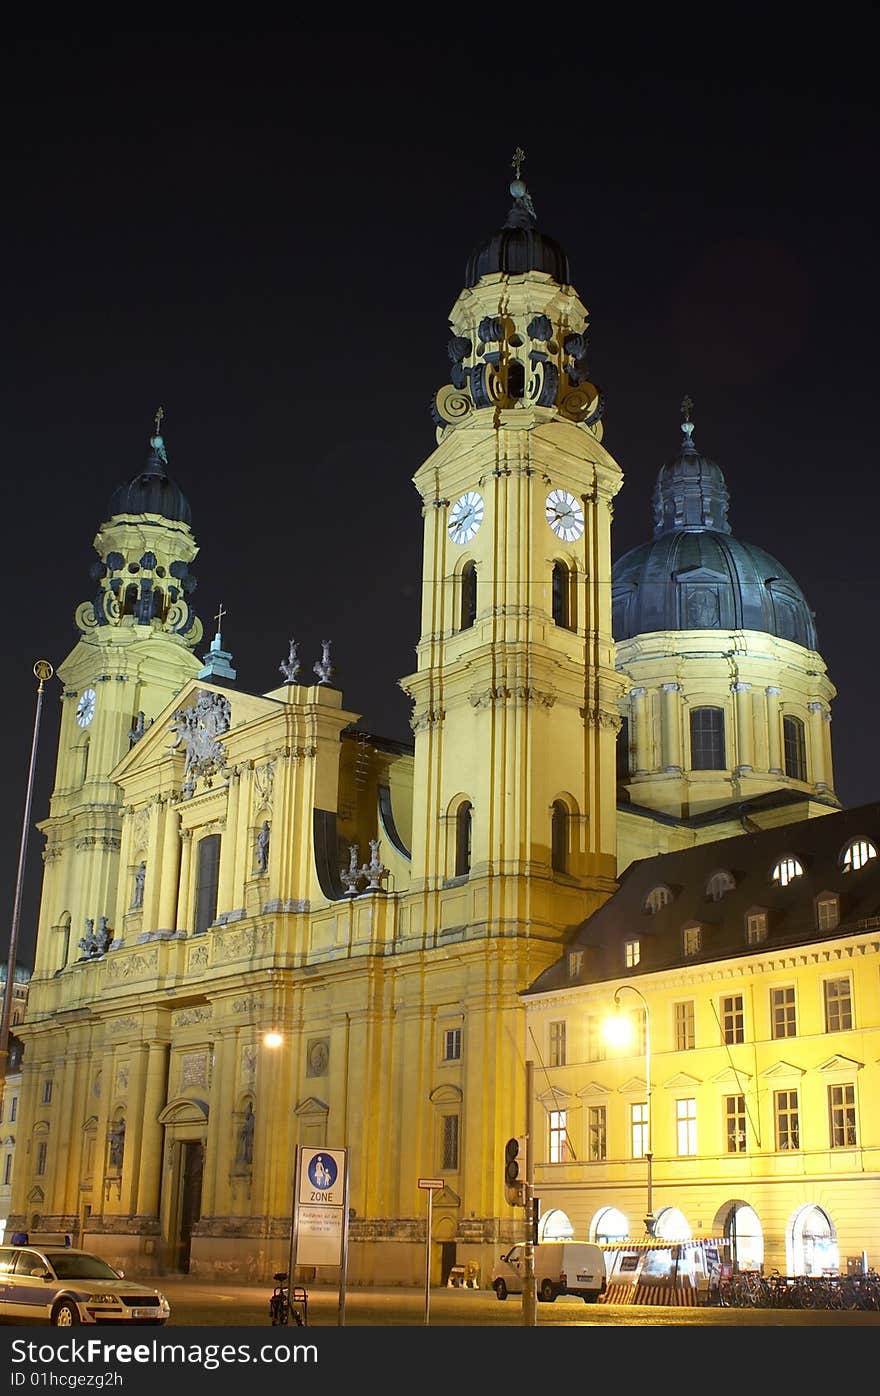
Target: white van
<point>561,1267</point>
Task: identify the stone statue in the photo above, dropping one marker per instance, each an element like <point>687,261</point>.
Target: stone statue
<point>103,936</point>
<point>352,874</point>
<point>245,1153</point>
<point>375,870</point>
<point>117,1144</point>
<point>263,847</point>
<point>290,666</point>
<point>323,668</point>
<point>199,729</point>
<point>139,728</point>
<point>87,943</point>
<point>139,878</point>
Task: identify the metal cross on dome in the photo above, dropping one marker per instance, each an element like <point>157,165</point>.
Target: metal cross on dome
<point>686,405</point>
<point>519,156</point>
<point>160,413</point>
<point>219,616</point>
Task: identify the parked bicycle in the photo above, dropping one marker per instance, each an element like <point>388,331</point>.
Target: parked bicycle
<point>288,1303</point>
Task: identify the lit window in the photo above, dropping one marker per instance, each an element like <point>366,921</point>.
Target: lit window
<point>827,913</point>
<point>794,742</point>
<point>719,884</point>
<point>735,1123</point>
<point>707,739</point>
<point>597,1043</point>
<point>857,854</point>
<point>684,1026</point>
<point>632,953</point>
<point>842,1116</point>
<point>657,899</point>
<point>557,1044</point>
<point>452,1044</point>
<point>686,1126</point>
<point>575,963</point>
<point>596,1126</point>
<point>786,870</point>
<point>838,1005</point>
<point>692,937</point>
<point>559,1151</point>
<point>450,1142</point>
<point>638,1115</point>
<point>732,1019</point>
<point>783,1020</point>
<point>756,927</point>
<point>788,1133</point>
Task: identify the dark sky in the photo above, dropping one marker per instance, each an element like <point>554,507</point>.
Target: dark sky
<point>265,234</point>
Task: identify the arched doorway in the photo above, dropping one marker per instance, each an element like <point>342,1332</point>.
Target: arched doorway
<point>811,1245</point>
<point>740,1224</point>
<point>672,1225</point>
<point>185,1120</point>
<point>555,1226</point>
<point>609,1225</point>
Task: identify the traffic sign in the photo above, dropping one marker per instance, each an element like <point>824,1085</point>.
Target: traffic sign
<point>433,1184</point>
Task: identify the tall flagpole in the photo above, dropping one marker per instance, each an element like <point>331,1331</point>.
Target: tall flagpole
<point>43,670</point>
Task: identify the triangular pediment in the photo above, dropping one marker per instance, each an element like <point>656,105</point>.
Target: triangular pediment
<point>593,1088</point>
<point>446,1197</point>
<point>551,1099</point>
<point>782,1069</point>
<point>699,574</point>
<point>680,1081</point>
<point>839,1063</point>
<point>153,746</point>
<point>636,1085</point>
<point>729,1077</point>
<point>312,1106</point>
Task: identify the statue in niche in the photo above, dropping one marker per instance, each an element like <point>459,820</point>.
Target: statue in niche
<point>245,1153</point>
<point>703,608</point>
<point>263,838</point>
<point>117,1144</point>
<point>139,878</point>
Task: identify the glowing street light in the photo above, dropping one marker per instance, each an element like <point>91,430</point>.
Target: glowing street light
<point>272,1039</point>
<point>618,1033</point>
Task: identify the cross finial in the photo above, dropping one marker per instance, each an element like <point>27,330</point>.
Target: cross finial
<point>686,405</point>
<point>519,156</point>
<point>219,616</point>
<point>160,413</point>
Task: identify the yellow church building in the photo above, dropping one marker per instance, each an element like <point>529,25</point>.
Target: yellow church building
<point>222,865</point>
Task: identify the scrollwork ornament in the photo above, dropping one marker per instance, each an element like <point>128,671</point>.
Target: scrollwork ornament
<point>452,404</point>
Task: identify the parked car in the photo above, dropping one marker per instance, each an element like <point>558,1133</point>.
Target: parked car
<point>561,1267</point>
<point>66,1287</point>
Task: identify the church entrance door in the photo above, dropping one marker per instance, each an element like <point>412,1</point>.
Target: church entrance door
<point>192,1158</point>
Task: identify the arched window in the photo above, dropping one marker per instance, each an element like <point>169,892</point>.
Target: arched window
<point>857,853</point>
<point>719,884</point>
<point>468,595</point>
<point>516,379</point>
<point>563,597</point>
<point>786,870</point>
<point>130,600</point>
<point>656,899</point>
<point>463,821</point>
<point>207,882</point>
<point>610,1225</point>
<point>707,740</point>
<point>559,836</point>
<point>795,744</point>
<point>673,1225</point>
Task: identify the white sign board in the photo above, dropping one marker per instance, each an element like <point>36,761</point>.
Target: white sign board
<point>320,1207</point>
<point>322,1178</point>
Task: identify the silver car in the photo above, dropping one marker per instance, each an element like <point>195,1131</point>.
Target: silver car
<point>67,1287</point>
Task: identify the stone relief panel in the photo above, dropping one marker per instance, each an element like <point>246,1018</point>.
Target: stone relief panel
<point>198,959</point>
<point>243,944</point>
<point>248,1063</point>
<point>193,1070</point>
<point>122,1078</point>
<point>318,1056</point>
<point>264,784</point>
<point>137,966</point>
<point>186,1016</point>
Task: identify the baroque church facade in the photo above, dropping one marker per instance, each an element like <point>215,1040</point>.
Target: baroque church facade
<point>221,866</point>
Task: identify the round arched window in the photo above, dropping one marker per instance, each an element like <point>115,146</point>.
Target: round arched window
<point>857,853</point>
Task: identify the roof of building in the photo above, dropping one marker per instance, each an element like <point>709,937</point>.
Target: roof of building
<point>519,246</point>
<point>21,974</point>
<point>152,491</point>
<point>694,575</point>
<point>740,873</point>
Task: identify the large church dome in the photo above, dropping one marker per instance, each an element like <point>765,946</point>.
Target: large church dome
<point>519,246</point>
<point>694,575</point>
<point>152,491</point>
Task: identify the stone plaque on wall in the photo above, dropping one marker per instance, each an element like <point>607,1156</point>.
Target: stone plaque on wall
<point>318,1056</point>
<point>193,1070</point>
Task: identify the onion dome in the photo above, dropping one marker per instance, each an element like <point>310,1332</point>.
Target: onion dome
<point>519,247</point>
<point>152,491</point>
<point>694,575</point>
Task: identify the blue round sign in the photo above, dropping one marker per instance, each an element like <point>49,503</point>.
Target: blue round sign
<point>322,1172</point>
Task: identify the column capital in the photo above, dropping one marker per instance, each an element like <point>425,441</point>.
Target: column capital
<point>815,707</point>
<point>772,691</point>
<point>740,687</point>
<point>671,687</point>
<point>637,692</point>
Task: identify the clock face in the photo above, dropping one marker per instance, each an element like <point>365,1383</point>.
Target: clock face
<point>465,517</point>
<point>565,515</point>
<point>85,708</point>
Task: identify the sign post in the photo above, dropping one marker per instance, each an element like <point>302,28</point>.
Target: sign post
<point>319,1227</point>
<point>430,1185</point>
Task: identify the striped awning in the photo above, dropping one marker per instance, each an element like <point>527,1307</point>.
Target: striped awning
<point>663,1243</point>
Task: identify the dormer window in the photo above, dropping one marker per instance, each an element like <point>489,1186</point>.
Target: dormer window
<point>756,926</point>
<point>857,853</point>
<point>827,911</point>
<point>632,953</point>
<point>692,939</point>
<point>656,899</point>
<point>786,870</point>
<point>575,963</point>
<point>719,884</point>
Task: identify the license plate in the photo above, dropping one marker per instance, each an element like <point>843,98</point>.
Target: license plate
<point>145,1313</point>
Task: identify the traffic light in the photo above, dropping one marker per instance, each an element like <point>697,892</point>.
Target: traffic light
<point>514,1166</point>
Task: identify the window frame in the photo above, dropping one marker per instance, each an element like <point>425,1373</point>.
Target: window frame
<point>732,1020</point>
<point>845,1111</point>
<point>558,1150</point>
<point>756,934</point>
<point>786,1120</point>
<point>455,1035</point>
<point>837,1003</point>
<point>735,1135</point>
<point>827,899</point>
<point>632,953</point>
<point>686,1126</point>
<point>450,1141</point>
<point>556,1051</point>
<point>783,1015</point>
<point>638,1128</point>
<point>794,747</point>
<point>708,748</point>
<point>597,1133</point>
<point>684,1025</point>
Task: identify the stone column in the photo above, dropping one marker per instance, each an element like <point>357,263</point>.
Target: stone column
<point>745,731</point>
<point>155,1093</point>
<point>226,892</point>
<point>169,871</point>
<point>829,759</point>
<point>773,733</point>
<point>641,739</point>
<point>184,909</point>
<point>817,745</point>
<point>671,719</point>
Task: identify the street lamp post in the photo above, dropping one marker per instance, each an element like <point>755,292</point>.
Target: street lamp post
<point>650,1219</point>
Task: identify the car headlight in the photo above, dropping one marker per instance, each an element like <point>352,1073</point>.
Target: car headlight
<point>104,1299</point>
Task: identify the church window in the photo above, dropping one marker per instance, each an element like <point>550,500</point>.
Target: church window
<point>449,1142</point>
<point>786,870</point>
<point>857,853</point>
<point>563,597</point>
<point>129,604</point>
<point>7,1170</point>
<point>47,1091</point>
<point>719,884</point>
<point>463,823</point>
<point>794,741</point>
<point>207,882</point>
<point>559,836</point>
<point>707,740</point>
<point>42,1152</point>
<point>13,1109</point>
<point>468,595</point>
<point>827,912</point>
<point>656,899</point>
<point>623,750</point>
<point>452,1045</point>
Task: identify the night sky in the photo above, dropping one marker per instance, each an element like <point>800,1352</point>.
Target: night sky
<point>265,234</point>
